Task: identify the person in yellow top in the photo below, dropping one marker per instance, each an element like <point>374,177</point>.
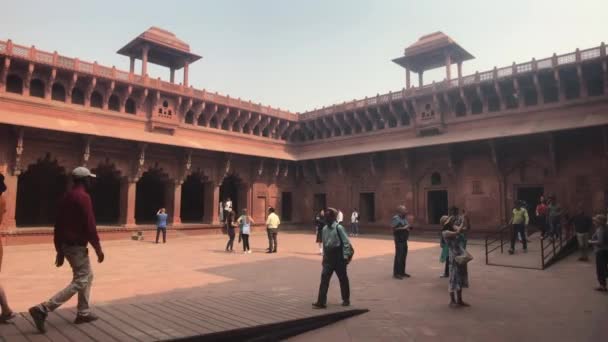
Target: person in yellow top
<point>519,220</point>
<point>272,227</point>
<point>7,313</point>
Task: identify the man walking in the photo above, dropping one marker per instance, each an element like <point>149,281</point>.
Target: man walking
<point>401,233</point>
<point>555,217</point>
<point>582,226</point>
<point>74,229</point>
<point>354,223</point>
<point>519,220</point>
<point>161,224</point>
<point>272,227</point>
<point>337,253</point>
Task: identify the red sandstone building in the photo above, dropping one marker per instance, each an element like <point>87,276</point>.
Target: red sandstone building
<point>477,141</point>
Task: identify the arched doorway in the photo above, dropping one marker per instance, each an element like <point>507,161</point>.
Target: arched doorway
<point>38,192</point>
<point>151,196</point>
<point>230,190</point>
<point>14,84</point>
<point>192,202</point>
<point>105,194</point>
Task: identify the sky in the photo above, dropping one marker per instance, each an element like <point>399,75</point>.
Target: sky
<point>304,54</point>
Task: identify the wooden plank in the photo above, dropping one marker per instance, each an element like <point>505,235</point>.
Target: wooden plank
<point>191,320</point>
<point>29,330</point>
<point>210,317</point>
<point>160,325</point>
<point>9,332</point>
<point>88,329</point>
<point>234,315</point>
<point>184,327</point>
<point>263,305</point>
<point>66,328</point>
<point>203,319</point>
<point>219,314</point>
<point>246,311</point>
<point>51,332</point>
<point>130,326</point>
<point>101,324</point>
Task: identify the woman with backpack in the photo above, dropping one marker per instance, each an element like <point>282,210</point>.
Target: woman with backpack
<point>245,221</point>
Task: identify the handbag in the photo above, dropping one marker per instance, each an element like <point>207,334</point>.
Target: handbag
<point>352,249</point>
<point>464,258</point>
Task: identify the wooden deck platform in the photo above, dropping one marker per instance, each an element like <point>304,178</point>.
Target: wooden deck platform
<point>246,316</point>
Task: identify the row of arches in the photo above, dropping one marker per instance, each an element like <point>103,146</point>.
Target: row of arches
<point>43,184</point>
<point>37,88</point>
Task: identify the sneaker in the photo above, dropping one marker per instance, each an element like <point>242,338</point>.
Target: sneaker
<point>453,305</point>
<point>7,317</point>
<point>397,276</point>
<point>248,251</point>
<point>39,316</point>
<point>346,303</point>
<point>85,319</point>
<point>407,275</point>
<point>319,306</point>
<point>444,276</point>
<point>463,304</point>
<point>268,252</point>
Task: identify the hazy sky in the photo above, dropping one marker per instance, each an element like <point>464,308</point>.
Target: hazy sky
<point>302,54</point>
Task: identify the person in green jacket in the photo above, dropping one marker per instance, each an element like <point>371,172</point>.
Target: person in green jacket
<point>337,253</point>
<point>519,221</point>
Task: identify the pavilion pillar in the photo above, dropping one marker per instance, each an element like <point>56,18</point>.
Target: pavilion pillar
<point>175,201</point>
<point>132,65</point>
<point>172,75</point>
<point>211,202</point>
<point>144,60</point>
<point>186,74</point>
<point>448,67</point>
<point>128,192</point>
<point>407,78</point>
<point>10,196</point>
<point>420,79</point>
<point>459,72</point>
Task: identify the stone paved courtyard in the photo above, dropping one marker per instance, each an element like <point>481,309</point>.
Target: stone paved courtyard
<point>509,304</point>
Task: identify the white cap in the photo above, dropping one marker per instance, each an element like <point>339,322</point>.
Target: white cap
<point>82,172</point>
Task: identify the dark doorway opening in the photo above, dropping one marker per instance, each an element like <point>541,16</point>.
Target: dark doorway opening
<point>286,206</point>
<point>105,194</point>
<point>230,190</point>
<point>38,192</point>
<point>437,204</point>
<point>193,193</point>
<point>367,207</point>
<point>531,196</point>
<point>319,202</point>
<point>150,196</point>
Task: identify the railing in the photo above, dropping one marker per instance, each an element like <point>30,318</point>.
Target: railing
<point>493,238</point>
<point>56,60</point>
<point>550,248</point>
<point>478,77</point>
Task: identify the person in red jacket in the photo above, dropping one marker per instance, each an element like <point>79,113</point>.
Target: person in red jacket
<point>75,228</point>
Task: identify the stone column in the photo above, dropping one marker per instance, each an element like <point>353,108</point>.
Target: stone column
<point>128,192</point>
<point>211,203</point>
<point>448,67</point>
<point>186,74</point>
<point>177,203</point>
<point>420,79</point>
<point>459,72</point>
<point>132,65</point>
<point>10,197</point>
<point>407,78</point>
<point>144,60</point>
<point>172,75</point>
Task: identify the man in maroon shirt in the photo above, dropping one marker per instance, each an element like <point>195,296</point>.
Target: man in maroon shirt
<point>74,229</point>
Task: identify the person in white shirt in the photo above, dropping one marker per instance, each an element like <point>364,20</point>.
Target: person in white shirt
<point>227,208</point>
<point>354,223</point>
<point>340,217</point>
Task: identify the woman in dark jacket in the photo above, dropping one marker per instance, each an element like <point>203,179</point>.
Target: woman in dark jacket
<point>230,228</point>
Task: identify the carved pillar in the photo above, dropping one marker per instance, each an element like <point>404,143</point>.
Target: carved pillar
<point>132,64</point>
<point>459,72</point>
<point>10,196</point>
<point>172,75</point>
<point>144,60</point>
<point>211,202</point>
<point>128,192</point>
<point>420,79</point>
<point>173,201</point>
<point>407,78</point>
<point>448,67</point>
<point>186,74</point>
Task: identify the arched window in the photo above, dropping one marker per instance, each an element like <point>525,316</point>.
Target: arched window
<point>14,84</point>
<point>96,100</point>
<point>58,92</point>
<point>114,103</point>
<point>36,88</point>
<point>130,106</point>
<point>435,178</point>
<point>189,117</point>
<point>77,96</point>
